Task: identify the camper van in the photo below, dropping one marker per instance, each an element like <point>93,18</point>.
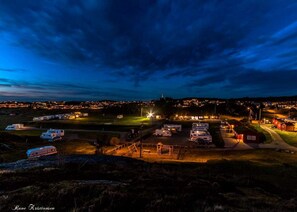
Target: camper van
<point>52,133</point>
<point>173,127</point>
<point>200,135</point>
<point>41,151</point>
<point>196,133</point>
<point>205,138</point>
<point>162,132</point>
<point>14,127</point>
<point>200,125</point>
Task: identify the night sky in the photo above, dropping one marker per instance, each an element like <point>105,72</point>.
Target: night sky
<point>137,50</point>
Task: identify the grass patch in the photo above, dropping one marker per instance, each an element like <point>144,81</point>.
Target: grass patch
<point>25,132</point>
<point>96,123</point>
<point>99,120</point>
<point>288,137</point>
<point>267,135</point>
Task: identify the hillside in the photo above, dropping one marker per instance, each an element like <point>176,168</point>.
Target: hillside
<point>109,183</point>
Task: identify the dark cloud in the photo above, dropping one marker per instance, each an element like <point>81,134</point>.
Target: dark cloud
<point>211,42</point>
<point>250,82</point>
<point>60,91</point>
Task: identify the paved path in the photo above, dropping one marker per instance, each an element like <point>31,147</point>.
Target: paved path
<point>233,143</point>
<point>277,141</point>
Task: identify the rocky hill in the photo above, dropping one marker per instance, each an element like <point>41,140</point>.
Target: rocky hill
<point>108,183</point>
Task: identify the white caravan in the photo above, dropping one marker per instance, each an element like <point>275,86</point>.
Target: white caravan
<point>14,127</point>
<point>196,135</point>
<point>41,151</point>
<point>173,127</point>
<point>162,132</point>
<point>200,125</point>
<point>52,133</point>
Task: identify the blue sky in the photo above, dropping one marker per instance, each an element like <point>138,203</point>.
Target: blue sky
<point>137,50</point>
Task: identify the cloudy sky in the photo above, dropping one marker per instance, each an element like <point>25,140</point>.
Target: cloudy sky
<point>139,49</point>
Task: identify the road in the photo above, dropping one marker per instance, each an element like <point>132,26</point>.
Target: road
<point>277,141</point>
<point>233,143</point>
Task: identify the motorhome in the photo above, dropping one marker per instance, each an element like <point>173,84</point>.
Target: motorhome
<point>52,133</point>
<point>173,127</point>
<point>162,132</point>
<point>205,138</point>
<point>41,151</point>
<point>14,127</point>
<point>200,125</point>
<point>197,135</point>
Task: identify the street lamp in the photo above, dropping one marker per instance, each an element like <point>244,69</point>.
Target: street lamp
<point>150,114</point>
<point>140,149</point>
<point>249,118</point>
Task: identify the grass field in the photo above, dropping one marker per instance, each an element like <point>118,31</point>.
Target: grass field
<point>99,120</point>
<point>25,132</point>
<point>14,116</point>
<point>289,137</point>
<point>267,135</point>
<point>74,142</point>
<point>7,120</point>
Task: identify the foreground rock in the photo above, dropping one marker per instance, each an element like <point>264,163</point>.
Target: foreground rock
<point>107,183</point>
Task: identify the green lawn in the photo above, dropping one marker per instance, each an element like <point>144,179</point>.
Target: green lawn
<point>260,130</point>
<point>7,120</point>
<point>98,120</point>
<point>25,132</point>
<point>127,120</point>
<point>289,137</point>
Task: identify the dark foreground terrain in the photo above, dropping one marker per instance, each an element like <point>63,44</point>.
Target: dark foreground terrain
<point>108,183</point>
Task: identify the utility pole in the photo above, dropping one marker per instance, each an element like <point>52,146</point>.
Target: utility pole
<point>140,148</point>
<point>260,117</point>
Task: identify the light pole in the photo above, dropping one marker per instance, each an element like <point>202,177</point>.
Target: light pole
<point>260,116</point>
<point>249,118</point>
<point>140,148</point>
<point>248,115</point>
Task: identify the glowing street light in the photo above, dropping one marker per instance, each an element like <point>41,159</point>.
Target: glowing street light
<point>150,115</point>
<point>249,118</point>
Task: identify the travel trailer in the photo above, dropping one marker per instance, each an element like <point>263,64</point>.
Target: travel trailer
<point>200,125</point>
<point>52,133</point>
<point>162,132</point>
<point>41,151</point>
<point>173,127</point>
<point>195,133</point>
<point>14,127</point>
<point>198,135</point>
<point>205,138</point>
